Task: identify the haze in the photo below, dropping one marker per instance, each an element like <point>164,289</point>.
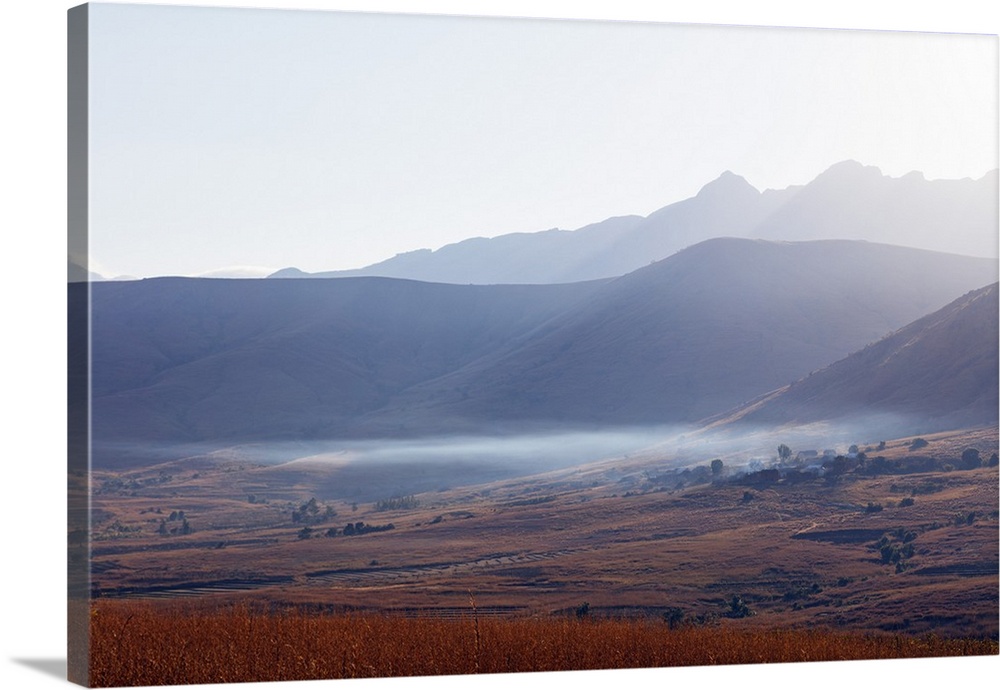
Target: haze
<point>329,140</point>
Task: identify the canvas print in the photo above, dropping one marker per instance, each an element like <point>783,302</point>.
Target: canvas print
<point>415,345</point>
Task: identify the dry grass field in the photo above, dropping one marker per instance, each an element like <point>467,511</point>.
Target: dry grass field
<point>172,644</point>
<point>660,550</point>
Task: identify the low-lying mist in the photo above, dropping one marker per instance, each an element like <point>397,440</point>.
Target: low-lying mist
<point>366,468</point>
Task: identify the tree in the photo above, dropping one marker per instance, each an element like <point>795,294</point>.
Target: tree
<point>970,458</point>
<point>673,616</point>
<point>717,465</point>
<point>738,608</point>
<point>784,453</point>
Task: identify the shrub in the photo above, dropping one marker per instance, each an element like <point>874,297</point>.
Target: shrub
<point>738,608</point>
<point>970,458</point>
<point>673,616</point>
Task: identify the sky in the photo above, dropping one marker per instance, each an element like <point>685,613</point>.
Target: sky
<point>251,140</point>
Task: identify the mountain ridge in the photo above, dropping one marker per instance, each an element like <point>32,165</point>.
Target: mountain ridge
<point>849,200</point>
<point>699,332</point>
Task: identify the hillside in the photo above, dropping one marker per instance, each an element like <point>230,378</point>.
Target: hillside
<point>634,538</point>
<point>939,372</point>
<point>847,201</point>
<point>188,361</point>
<point>700,332</point>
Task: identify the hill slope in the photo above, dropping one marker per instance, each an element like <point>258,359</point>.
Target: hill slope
<point>223,362</point>
<point>185,360</point>
<point>702,331</point>
<point>939,372</point>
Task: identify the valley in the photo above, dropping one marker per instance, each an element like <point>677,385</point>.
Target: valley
<point>748,437</point>
<point>904,540</point>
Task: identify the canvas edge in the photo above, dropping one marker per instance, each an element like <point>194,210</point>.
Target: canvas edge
<point>78,350</point>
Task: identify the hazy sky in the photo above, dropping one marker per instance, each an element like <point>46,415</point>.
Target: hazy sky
<point>328,140</point>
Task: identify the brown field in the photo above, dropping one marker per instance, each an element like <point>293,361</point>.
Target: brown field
<point>906,547</point>
<point>170,644</point>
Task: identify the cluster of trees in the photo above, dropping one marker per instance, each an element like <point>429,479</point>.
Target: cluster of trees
<point>361,528</point>
<point>896,547</point>
<point>397,503</point>
<point>310,511</point>
<point>738,608</point>
<point>175,516</point>
<point>350,530</point>
<point>971,459</point>
<point>857,461</point>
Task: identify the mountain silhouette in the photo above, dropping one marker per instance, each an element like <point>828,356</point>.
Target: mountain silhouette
<point>847,201</point>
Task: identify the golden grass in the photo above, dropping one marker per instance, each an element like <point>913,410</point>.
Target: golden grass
<point>173,644</point>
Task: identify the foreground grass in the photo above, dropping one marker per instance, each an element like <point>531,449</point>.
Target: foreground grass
<point>138,644</point>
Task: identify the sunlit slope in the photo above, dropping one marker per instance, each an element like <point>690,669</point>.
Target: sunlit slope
<point>939,372</point>
<point>710,327</point>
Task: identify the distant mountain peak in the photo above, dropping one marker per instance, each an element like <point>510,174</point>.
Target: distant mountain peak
<point>290,272</point>
<point>851,169</point>
<point>726,185</point>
